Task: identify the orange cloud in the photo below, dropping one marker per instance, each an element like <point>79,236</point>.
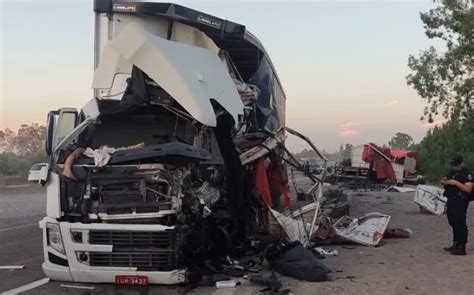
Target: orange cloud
<point>348,133</point>
<point>348,129</point>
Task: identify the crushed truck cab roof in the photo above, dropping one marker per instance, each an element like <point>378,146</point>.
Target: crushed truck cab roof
<point>191,75</point>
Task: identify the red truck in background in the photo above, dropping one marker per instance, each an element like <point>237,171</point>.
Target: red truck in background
<point>375,164</point>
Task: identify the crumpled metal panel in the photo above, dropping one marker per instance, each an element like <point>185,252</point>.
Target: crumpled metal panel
<point>191,75</point>
<point>295,229</point>
<point>367,230</point>
<point>431,199</point>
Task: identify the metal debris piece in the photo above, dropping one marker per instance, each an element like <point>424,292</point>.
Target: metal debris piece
<point>324,252</point>
<point>431,199</point>
<point>296,230</point>
<point>401,189</point>
<point>263,149</point>
<point>367,230</point>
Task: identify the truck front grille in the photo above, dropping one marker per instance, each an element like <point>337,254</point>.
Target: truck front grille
<point>156,261</point>
<point>146,250</point>
<point>161,239</point>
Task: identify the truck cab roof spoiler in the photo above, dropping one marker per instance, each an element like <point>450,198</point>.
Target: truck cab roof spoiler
<point>231,36</point>
<point>205,22</point>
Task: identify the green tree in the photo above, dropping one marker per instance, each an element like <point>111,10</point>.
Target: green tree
<point>7,140</point>
<point>30,139</point>
<point>401,141</point>
<point>445,79</point>
<point>18,151</point>
<point>440,143</point>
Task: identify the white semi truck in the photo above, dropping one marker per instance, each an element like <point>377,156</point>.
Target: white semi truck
<point>156,174</point>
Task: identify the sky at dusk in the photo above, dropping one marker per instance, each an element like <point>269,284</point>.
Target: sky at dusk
<point>342,64</point>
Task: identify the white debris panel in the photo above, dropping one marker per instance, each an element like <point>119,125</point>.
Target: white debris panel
<point>431,199</point>
<point>401,189</point>
<point>296,230</point>
<point>367,230</point>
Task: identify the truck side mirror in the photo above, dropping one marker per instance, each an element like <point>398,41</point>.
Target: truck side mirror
<point>44,173</point>
<point>49,133</point>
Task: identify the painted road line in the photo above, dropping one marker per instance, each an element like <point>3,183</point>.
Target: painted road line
<point>27,287</point>
<point>77,287</point>
<point>12,267</point>
<point>18,226</point>
<point>15,185</point>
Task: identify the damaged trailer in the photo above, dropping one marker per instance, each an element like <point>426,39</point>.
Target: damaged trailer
<point>177,160</point>
<point>374,164</point>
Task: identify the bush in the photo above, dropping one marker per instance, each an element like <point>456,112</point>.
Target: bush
<point>13,166</point>
<point>438,146</point>
<point>20,151</point>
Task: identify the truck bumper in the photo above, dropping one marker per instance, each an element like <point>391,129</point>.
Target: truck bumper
<point>58,273</point>
<point>74,270</point>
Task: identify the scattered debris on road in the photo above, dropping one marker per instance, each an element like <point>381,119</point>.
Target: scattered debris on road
<point>401,189</point>
<point>367,230</point>
<point>294,260</point>
<point>397,233</point>
<point>324,252</point>
<point>269,279</point>
<point>227,284</point>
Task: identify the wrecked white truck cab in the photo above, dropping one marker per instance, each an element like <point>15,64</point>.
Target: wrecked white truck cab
<point>156,174</point>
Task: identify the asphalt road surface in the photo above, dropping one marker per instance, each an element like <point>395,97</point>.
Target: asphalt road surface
<point>20,237</point>
<point>21,244</point>
<point>21,207</point>
<point>401,266</point>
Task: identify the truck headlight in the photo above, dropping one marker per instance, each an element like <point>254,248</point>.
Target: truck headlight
<point>54,237</point>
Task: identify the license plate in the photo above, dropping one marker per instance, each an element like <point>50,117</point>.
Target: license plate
<point>131,280</point>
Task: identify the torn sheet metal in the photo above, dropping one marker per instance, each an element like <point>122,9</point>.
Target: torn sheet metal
<point>431,199</point>
<point>401,189</point>
<point>312,210</point>
<point>296,230</point>
<point>264,148</point>
<point>190,74</point>
<point>410,165</point>
<point>190,35</point>
<point>367,230</point>
<point>399,172</point>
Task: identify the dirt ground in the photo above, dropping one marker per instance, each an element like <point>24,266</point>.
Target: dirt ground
<point>401,266</point>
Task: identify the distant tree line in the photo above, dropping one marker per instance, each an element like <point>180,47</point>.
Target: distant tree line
<point>20,150</point>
